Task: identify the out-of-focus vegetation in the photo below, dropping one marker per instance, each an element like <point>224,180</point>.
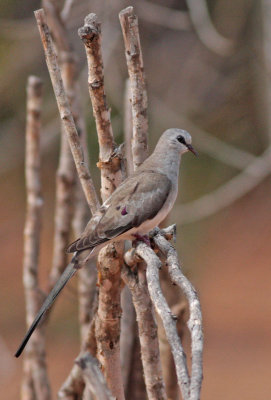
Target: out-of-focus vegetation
<point>201,77</point>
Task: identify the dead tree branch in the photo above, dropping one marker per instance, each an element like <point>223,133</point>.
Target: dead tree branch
<point>66,173</point>
<point>109,164</point>
<point>129,25</point>
<point>128,333</point>
<point>128,127</point>
<point>195,318</point>
<point>147,329</point>
<point>65,112</point>
<point>169,322</point>
<point>74,386</point>
<point>93,376</point>
<point>107,322</point>
<point>35,380</point>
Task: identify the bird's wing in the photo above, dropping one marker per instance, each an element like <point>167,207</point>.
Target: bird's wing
<point>138,199</point>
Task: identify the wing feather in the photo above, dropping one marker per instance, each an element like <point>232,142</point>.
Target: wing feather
<point>133,202</point>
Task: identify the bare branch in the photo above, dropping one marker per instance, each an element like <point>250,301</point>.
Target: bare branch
<point>128,127</point>
<point>107,323</point>
<point>66,9</point>
<point>129,25</point>
<point>66,173</point>
<point>74,385</point>
<point>65,112</point>
<point>205,29</point>
<point>195,319</point>
<point>169,322</point>
<point>109,163</point>
<point>163,16</point>
<point>128,333</point>
<point>147,329</point>
<point>35,380</point>
<point>93,377</point>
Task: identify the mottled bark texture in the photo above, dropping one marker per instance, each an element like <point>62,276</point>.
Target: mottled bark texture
<point>128,127</point>
<point>35,382</point>
<point>139,103</point>
<point>65,112</point>
<point>169,321</point>
<point>107,322</point>
<point>147,330</point>
<point>66,173</point>
<point>70,199</point>
<point>195,317</point>
<point>109,162</point>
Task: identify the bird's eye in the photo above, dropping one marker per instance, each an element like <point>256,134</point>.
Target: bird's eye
<point>181,139</point>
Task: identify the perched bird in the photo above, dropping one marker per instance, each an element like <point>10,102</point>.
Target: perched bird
<point>139,204</point>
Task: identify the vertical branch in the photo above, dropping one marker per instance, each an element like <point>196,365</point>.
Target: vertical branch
<point>129,25</point>
<point>90,34</point>
<point>128,127</point>
<point>69,195</point>
<point>169,320</point>
<point>137,91</point>
<point>66,173</point>
<point>147,331</point>
<point>195,318</point>
<point>65,112</point>
<point>128,333</point>
<point>35,380</point>
<point>107,323</point>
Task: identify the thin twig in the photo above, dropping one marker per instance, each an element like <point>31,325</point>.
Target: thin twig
<point>195,318</point>
<point>74,385</point>
<point>147,328</point>
<point>65,112</point>
<point>163,16</point>
<point>35,380</point>
<point>107,322</point>
<point>66,9</point>
<point>205,29</point>
<point>93,376</point>
<point>227,193</point>
<point>129,25</point>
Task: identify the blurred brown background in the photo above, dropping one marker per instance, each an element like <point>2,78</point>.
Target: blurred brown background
<point>207,66</point>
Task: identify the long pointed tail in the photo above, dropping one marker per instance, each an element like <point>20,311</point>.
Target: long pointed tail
<point>65,277</point>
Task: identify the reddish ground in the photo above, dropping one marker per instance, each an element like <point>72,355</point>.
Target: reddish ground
<point>233,281</point>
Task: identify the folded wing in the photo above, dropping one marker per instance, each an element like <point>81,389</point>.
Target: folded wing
<point>138,199</point>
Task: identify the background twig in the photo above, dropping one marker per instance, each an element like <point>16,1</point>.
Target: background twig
<point>35,380</point>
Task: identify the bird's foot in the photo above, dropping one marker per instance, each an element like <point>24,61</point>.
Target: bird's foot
<point>142,238</point>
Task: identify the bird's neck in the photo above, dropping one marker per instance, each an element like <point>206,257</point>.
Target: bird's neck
<point>166,162</point>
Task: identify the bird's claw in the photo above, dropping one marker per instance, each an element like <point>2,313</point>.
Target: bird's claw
<point>142,238</point>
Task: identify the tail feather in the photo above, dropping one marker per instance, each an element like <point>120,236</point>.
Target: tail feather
<point>65,277</point>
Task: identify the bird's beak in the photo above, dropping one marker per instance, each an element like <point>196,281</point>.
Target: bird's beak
<point>191,148</point>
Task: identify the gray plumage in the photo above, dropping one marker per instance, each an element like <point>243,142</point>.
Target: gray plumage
<point>139,204</point>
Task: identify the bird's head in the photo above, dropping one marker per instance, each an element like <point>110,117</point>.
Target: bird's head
<point>178,139</point>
